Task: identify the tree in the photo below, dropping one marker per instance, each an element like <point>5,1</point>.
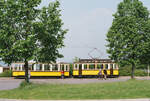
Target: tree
<point>76,59</point>
<point>145,57</point>
<point>28,33</point>
<point>127,33</point>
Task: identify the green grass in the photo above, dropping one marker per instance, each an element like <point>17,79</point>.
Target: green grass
<point>117,90</point>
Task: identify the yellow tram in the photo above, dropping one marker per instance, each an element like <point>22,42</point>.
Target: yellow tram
<point>91,67</point>
<point>83,68</point>
<point>41,70</point>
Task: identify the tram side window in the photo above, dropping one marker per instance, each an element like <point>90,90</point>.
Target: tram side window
<point>47,67</point>
<point>80,66</point>
<point>55,67</point>
<point>30,67</point>
<point>111,66</point>
<point>85,66</point>
<point>62,67</point>
<point>38,66</point>
<point>23,67</point>
<point>19,67</point>
<point>114,66</point>
<point>15,67</point>
<point>67,67</point>
<point>106,66</point>
<point>92,66</point>
<point>98,66</point>
<point>75,66</point>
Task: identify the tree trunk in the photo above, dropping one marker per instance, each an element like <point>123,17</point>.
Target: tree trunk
<point>132,72</point>
<point>148,70</point>
<point>26,71</point>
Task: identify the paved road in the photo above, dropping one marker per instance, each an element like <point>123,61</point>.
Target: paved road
<point>10,83</point>
<point>80,100</point>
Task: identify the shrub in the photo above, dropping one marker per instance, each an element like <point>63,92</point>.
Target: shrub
<point>7,73</point>
<point>126,71</point>
<point>139,72</point>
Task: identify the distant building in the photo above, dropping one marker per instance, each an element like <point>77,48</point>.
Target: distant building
<point>4,68</point>
<point>1,69</point>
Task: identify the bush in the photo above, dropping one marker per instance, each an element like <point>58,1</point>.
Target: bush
<point>24,84</point>
<point>126,71</point>
<point>139,72</point>
<point>7,73</point>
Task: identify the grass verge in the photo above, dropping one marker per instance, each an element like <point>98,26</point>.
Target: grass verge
<point>117,90</point>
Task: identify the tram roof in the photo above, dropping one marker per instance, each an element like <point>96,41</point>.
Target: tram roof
<point>40,63</point>
<point>95,61</point>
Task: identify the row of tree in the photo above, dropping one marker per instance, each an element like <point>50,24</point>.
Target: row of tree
<point>129,36</point>
<point>29,33</point>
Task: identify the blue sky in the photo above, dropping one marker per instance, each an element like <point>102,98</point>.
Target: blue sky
<point>88,22</point>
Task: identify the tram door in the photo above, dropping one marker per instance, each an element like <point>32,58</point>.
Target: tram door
<point>80,69</point>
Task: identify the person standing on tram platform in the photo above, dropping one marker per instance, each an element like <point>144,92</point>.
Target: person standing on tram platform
<point>100,74</point>
<point>62,74</point>
<point>105,74</point>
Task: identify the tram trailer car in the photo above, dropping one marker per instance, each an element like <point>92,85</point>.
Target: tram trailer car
<point>41,70</point>
<point>90,67</point>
